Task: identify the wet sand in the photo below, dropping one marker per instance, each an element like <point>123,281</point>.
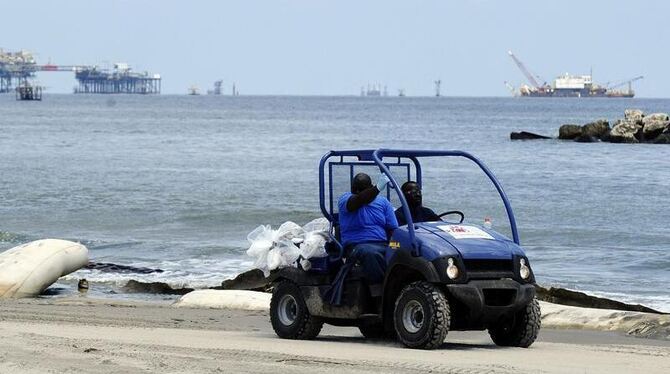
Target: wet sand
<point>80,335</point>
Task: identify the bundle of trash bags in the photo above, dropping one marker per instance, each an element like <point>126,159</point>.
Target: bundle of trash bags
<point>289,245</point>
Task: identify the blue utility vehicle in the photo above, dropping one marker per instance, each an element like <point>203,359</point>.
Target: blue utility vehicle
<point>440,276</point>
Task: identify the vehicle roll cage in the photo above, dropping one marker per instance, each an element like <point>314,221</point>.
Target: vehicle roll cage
<point>375,157</point>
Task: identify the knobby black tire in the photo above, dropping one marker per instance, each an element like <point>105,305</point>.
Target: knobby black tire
<point>305,327</point>
<point>437,316</point>
<point>523,330</point>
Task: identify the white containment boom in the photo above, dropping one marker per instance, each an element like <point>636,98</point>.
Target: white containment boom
<point>29,269</point>
<point>225,299</point>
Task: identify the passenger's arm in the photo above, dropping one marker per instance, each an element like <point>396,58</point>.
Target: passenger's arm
<point>391,221</point>
<point>362,198</point>
<point>432,216</point>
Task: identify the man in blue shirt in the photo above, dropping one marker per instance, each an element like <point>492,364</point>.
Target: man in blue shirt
<point>366,223</point>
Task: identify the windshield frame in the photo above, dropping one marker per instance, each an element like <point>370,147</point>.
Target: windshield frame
<point>379,154</point>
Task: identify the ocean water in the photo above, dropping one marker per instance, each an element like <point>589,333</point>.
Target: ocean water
<point>177,182</point>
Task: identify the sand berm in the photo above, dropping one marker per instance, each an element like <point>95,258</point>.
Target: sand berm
<point>83,335</point>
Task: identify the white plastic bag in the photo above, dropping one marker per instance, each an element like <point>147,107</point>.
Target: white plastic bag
<point>316,236</point>
<point>319,224</point>
<point>288,231</point>
<point>260,240</point>
<point>314,245</point>
<point>274,249</point>
<point>282,255</point>
<point>284,252</point>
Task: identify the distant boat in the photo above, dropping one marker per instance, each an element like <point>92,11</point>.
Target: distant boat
<point>194,90</point>
<point>568,85</point>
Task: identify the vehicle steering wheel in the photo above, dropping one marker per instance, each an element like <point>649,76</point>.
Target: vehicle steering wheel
<point>458,212</point>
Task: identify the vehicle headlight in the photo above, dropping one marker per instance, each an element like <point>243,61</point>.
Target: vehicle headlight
<point>452,270</point>
<point>524,270</point>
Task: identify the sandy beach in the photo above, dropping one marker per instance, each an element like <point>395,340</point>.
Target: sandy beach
<point>81,335</point>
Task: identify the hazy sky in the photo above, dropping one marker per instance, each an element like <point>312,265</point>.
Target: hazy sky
<point>312,47</point>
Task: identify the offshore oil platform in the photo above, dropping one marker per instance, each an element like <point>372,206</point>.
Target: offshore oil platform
<point>375,90</point>
<point>569,85</point>
<point>119,80</point>
<point>19,69</point>
<point>16,69</point>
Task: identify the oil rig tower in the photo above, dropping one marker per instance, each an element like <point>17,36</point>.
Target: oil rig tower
<point>217,88</point>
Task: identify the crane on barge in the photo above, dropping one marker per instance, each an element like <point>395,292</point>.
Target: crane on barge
<point>536,88</point>
<point>613,92</point>
<point>568,85</point>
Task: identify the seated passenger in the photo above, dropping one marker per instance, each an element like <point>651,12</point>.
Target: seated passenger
<point>412,192</point>
<point>366,221</point>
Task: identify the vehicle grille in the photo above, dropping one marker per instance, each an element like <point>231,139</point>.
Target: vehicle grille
<point>489,269</point>
<point>488,265</point>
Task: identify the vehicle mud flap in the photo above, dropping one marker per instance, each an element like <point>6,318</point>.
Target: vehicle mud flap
<point>333,294</point>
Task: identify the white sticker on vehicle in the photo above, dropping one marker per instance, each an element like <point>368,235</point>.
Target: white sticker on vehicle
<point>465,232</point>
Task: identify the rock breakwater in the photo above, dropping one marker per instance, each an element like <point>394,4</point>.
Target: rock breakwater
<point>634,127</point>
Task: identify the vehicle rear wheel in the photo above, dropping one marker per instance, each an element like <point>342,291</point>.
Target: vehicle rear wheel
<point>521,329</point>
<point>289,315</point>
<point>421,316</point>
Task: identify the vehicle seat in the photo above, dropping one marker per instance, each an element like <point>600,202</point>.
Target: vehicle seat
<point>334,246</point>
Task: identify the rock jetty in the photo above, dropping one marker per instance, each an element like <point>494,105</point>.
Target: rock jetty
<point>634,127</point>
<point>524,135</point>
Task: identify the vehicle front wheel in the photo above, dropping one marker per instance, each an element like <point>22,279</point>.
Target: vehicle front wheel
<point>421,316</point>
<point>289,315</point>
<point>520,330</point>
